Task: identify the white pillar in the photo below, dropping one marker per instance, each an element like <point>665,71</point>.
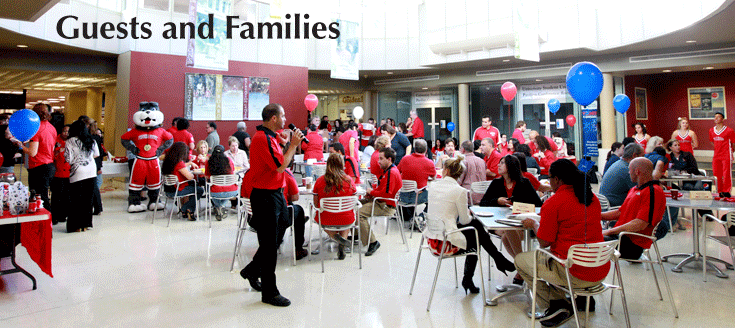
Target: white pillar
<point>463,102</point>
<point>607,112</point>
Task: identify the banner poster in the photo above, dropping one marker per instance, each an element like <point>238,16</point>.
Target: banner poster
<point>213,50</point>
<point>589,131</point>
<point>258,97</point>
<point>201,97</point>
<point>346,52</point>
<point>232,98</point>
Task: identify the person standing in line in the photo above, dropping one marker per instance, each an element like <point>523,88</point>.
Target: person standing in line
<point>518,133</point>
<point>417,127</point>
<point>268,204</point>
<point>212,136</point>
<point>244,138</point>
<point>60,184</point>
<point>686,137</point>
<point>40,151</point>
<point>723,137</point>
<point>80,152</point>
<point>487,130</point>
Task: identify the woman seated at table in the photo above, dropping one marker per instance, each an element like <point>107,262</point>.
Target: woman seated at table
<point>530,161</point>
<point>237,155</point>
<point>448,202</point>
<point>174,163</point>
<point>656,153</point>
<point>202,154</point>
<point>537,185</point>
<point>219,164</point>
<point>509,188</point>
<point>545,156</point>
<point>682,162</point>
<point>335,183</point>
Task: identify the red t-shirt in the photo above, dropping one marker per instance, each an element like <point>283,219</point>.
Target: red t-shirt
<point>374,166</point>
<point>563,223</point>
<point>646,203</point>
<point>685,143</point>
<point>62,166</point>
<point>147,142</point>
<point>545,162</point>
<point>491,132</point>
<point>344,139</point>
<point>418,168</point>
<point>208,172</point>
<point>518,134</point>
<point>46,138</point>
<point>172,130</point>
<point>313,149</point>
<point>352,168</point>
<point>246,187</point>
<point>348,189</point>
<point>368,130</point>
<point>178,174</point>
<point>265,158</point>
<point>722,140</point>
<point>492,161</point>
<point>389,183</point>
<point>290,187</point>
<point>417,128</point>
<point>183,136</point>
<point>534,182</point>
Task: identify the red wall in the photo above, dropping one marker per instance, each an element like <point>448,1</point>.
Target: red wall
<point>160,78</point>
<point>668,100</point>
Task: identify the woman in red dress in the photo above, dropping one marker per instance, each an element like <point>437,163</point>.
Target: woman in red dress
<point>687,138</point>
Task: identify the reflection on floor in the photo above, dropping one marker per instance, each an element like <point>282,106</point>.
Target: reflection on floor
<point>127,272</point>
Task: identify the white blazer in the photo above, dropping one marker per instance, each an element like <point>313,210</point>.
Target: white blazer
<point>448,202</point>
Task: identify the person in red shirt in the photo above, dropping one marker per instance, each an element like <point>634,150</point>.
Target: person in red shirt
<point>492,158</point>
<point>350,141</point>
<point>40,151</point>
<point>60,182</point>
<point>367,130</point>
<point>487,131</point>
<point>182,135</point>
<point>518,133</point>
<point>335,183</point>
<point>417,129</point>
<point>313,149</point>
<point>173,127</point>
<point>722,137</point>
<point>352,167</point>
<point>545,156</point>
<point>641,211</point>
<point>176,162</point>
<point>268,166</point>
<point>291,194</point>
<point>416,167</point>
<point>569,217</point>
<point>388,185</point>
<point>380,143</point>
<point>220,164</point>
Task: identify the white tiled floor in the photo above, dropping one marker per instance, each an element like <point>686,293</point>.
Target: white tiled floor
<point>127,272</point>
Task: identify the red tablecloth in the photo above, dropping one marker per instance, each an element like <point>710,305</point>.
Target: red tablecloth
<point>36,238</point>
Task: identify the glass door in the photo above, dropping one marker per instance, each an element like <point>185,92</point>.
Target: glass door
<point>435,122</point>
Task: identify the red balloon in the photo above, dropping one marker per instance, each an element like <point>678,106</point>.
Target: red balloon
<point>508,90</point>
<point>571,120</point>
<point>311,102</point>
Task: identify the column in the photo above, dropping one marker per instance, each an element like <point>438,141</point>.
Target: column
<point>367,106</point>
<point>607,112</point>
<point>463,102</point>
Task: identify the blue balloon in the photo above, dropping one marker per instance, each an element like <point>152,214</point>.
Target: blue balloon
<point>24,124</point>
<point>554,106</point>
<point>450,126</point>
<point>584,82</point>
<point>621,103</point>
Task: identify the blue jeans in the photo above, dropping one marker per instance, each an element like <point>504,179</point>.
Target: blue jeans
<point>663,227</point>
<point>307,171</point>
<point>220,199</point>
<point>190,205</point>
<point>409,197</point>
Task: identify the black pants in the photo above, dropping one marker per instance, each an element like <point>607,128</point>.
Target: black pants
<point>298,226</point>
<point>471,261</point>
<point>39,180</point>
<point>269,209</point>
<point>80,197</point>
<point>96,198</point>
<point>628,250</point>
<point>60,203</point>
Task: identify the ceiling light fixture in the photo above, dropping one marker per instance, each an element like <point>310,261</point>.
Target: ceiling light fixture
<point>667,71</point>
<point>22,46</point>
<point>691,41</point>
<point>709,67</point>
<point>539,80</point>
<point>506,60</point>
<point>390,73</point>
<point>424,88</point>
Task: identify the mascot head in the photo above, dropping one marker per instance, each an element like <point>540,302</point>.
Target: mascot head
<point>148,116</point>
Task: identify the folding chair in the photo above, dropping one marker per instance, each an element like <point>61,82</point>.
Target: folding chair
<point>397,215</point>
<point>726,240</point>
<point>480,188</point>
<point>436,226</point>
<point>338,205</point>
<point>409,186</point>
<point>589,255</point>
<point>221,181</point>
<point>170,180</point>
<point>242,226</point>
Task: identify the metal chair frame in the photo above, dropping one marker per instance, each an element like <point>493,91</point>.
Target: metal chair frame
<point>409,186</point>
<point>478,187</point>
<point>173,180</point>
<point>338,205</point>
<point>242,226</point>
<point>726,240</point>
<point>225,180</point>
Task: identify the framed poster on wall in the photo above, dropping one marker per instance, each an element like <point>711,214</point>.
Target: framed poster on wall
<point>641,104</point>
<point>705,102</point>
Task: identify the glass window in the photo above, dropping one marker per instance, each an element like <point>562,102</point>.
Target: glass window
<point>156,4</point>
<point>181,6</point>
<point>487,100</point>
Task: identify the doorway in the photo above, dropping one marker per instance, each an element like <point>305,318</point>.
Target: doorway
<point>538,118</point>
<point>435,122</point>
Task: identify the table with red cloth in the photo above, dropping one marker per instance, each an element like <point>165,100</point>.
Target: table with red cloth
<point>35,235</point>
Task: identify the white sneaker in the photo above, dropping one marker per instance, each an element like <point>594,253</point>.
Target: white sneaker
<point>136,208</point>
<point>153,206</point>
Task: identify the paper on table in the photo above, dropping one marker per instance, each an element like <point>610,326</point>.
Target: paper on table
<point>519,208</point>
<point>700,195</point>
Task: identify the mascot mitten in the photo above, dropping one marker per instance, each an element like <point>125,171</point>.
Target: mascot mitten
<point>147,142</point>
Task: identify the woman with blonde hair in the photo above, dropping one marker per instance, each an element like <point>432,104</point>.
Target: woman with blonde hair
<point>335,183</point>
<point>201,155</point>
<point>237,155</point>
<point>448,202</point>
<point>686,137</point>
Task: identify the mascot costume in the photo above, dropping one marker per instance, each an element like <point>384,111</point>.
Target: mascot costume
<point>147,142</point>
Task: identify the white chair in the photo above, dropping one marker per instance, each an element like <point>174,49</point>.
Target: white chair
<point>702,172</point>
<point>589,255</point>
<point>397,215</point>
<point>604,202</point>
<point>221,181</point>
<point>479,187</point>
<point>726,240</point>
<point>242,227</point>
<point>533,171</point>
<point>172,181</point>
<point>650,261</point>
<point>338,205</point>
<point>437,226</point>
<point>409,186</point>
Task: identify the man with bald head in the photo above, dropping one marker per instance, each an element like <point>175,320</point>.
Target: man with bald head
<point>641,211</point>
